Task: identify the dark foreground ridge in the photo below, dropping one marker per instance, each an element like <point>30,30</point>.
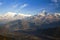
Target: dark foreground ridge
<point>40,34</point>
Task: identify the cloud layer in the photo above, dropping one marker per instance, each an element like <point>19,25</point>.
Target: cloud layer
<point>12,15</point>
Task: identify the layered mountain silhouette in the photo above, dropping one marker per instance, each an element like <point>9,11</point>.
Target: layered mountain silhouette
<point>36,25</point>
<point>43,20</point>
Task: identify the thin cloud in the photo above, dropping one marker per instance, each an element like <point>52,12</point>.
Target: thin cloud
<point>23,6</point>
<point>1,3</point>
<point>55,1</point>
<point>16,5</point>
<point>19,6</point>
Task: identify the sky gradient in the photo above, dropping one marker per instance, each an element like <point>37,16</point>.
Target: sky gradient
<point>29,6</point>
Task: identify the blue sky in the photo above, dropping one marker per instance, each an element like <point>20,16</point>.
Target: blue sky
<point>29,6</point>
